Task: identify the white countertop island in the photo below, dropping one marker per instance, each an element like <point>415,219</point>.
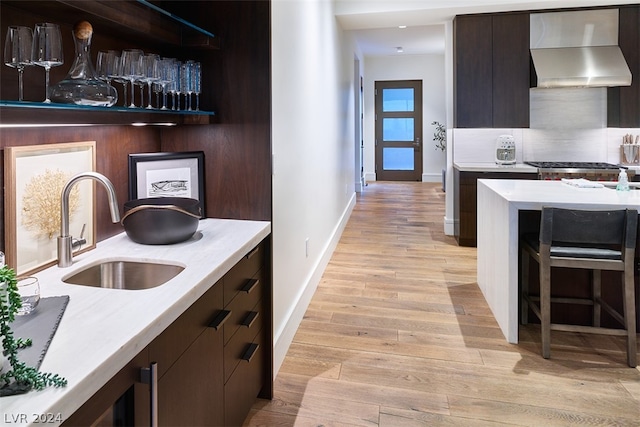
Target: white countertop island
<point>499,205</point>
<point>103,329</point>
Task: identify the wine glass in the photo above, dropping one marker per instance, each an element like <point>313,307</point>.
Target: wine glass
<point>17,51</point>
<point>107,65</point>
<point>196,82</point>
<point>165,78</point>
<point>46,50</point>
<point>187,82</point>
<point>131,69</point>
<point>174,85</point>
<point>150,72</point>
<point>119,78</point>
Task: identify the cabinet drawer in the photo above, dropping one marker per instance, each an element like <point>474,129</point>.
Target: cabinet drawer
<point>244,270</point>
<point>238,349</point>
<point>242,389</point>
<point>242,305</point>
<point>169,345</point>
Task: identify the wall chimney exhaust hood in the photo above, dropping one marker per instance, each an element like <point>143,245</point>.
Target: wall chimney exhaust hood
<point>578,49</point>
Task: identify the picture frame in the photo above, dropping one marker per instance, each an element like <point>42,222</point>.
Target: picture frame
<point>34,178</point>
<point>178,174</point>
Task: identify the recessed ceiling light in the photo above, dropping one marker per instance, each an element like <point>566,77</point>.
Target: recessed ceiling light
<point>402,26</point>
<point>399,49</point>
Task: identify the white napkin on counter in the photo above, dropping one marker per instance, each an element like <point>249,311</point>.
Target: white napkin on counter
<point>581,183</point>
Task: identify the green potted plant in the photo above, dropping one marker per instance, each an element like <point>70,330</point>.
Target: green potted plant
<point>15,376</point>
<point>440,138</point>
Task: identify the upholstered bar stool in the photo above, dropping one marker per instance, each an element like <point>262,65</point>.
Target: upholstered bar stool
<point>595,240</point>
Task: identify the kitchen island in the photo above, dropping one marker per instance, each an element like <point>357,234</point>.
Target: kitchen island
<point>500,205</point>
<point>103,329</point>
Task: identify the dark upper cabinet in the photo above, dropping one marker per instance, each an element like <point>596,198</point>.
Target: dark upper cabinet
<point>473,89</point>
<point>624,102</point>
<point>492,68</point>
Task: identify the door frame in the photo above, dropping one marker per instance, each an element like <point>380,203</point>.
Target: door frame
<point>416,144</point>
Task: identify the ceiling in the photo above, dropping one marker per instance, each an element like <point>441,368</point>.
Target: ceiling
<point>375,22</point>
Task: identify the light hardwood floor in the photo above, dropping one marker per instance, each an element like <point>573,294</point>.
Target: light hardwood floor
<point>398,334</point>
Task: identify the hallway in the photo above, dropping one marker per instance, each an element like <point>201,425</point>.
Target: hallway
<point>399,334</point>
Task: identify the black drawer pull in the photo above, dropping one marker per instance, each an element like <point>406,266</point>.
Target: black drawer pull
<point>250,285</point>
<point>219,320</point>
<point>253,252</point>
<point>251,317</point>
<point>251,351</point>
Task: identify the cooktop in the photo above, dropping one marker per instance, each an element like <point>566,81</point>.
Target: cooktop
<point>575,165</point>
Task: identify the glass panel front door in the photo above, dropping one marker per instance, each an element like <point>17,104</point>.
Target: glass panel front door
<point>399,130</point>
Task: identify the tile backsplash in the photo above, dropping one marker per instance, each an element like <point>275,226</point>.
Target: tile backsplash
<point>565,125</point>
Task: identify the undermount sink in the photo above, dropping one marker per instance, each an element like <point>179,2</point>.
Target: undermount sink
<point>125,274</point>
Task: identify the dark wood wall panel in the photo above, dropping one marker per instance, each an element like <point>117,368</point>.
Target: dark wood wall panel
<point>238,148</point>
<point>113,145</point>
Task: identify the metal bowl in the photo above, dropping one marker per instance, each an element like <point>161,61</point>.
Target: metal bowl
<point>161,220</point>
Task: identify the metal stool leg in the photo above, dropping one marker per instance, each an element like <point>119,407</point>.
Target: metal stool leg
<point>545,307</point>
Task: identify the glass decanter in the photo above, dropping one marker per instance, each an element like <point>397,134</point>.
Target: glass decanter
<point>82,86</point>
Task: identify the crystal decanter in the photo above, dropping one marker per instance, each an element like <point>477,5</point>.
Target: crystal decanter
<point>82,86</point>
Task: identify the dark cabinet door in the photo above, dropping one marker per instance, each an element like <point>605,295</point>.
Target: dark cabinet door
<point>473,88</point>
<point>511,71</point>
<point>190,391</point>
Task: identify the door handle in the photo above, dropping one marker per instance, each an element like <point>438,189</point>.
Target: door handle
<point>150,376</point>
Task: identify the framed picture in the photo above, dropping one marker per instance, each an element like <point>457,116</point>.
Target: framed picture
<point>167,175</point>
<point>34,178</point>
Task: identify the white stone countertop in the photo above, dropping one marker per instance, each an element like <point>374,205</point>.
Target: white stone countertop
<point>102,329</point>
<point>526,194</point>
<point>493,167</point>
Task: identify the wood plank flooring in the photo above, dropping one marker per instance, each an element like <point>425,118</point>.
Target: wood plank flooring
<point>398,334</point>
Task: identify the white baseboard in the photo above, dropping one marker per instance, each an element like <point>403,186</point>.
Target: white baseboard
<point>283,340</point>
<point>426,177</point>
<point>449,226</point>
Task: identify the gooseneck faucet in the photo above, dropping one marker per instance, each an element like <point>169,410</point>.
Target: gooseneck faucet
<point>65,241</point>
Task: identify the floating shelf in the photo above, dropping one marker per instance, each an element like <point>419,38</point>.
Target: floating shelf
<point>12,113</point>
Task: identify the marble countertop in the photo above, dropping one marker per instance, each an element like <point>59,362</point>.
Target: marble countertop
<point>102,329</point>
<point>493,167</point>
<point>532,194</point>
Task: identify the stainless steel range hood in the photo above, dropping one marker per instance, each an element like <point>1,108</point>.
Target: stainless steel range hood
<point>578,49</point>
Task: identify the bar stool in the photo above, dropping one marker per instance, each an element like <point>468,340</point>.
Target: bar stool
<point>595,240</point>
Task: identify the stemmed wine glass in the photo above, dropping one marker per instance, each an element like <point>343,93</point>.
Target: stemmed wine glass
<point>17,51</point>
<point>46,50</point>
<point>174,85</point>
<point>187,82</point>
<point>107,65</point>
<point>150,73</point>
<point>165,78</point>
<point>196,80</point>
<point>131,69</point>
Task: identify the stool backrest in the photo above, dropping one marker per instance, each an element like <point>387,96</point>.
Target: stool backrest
<point>588,227</point>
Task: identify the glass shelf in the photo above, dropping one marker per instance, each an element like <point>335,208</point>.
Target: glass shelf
<point>12,113</point>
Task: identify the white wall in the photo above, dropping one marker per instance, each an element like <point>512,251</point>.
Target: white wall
<point>313,148</point>
<point>431,70</point>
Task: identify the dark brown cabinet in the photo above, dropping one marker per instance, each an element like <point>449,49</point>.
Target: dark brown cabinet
<point>212,362</point>
<point>623,109</point>
<point>491,71</point>
<point>465,203</point>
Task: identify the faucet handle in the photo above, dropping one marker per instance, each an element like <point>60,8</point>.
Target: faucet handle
<point>77,243</point>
